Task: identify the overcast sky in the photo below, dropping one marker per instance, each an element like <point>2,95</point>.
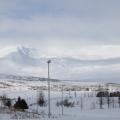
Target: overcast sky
<point>82,29</point>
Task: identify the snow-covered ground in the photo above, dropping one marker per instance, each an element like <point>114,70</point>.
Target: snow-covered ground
<point>86,104</point>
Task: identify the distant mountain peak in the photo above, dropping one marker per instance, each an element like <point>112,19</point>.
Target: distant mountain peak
<point>23,49</point>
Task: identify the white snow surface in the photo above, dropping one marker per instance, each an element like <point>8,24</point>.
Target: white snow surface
<point>29,90</point>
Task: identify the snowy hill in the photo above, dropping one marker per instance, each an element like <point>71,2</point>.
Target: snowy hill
<point>21,56</point>
<point>25,78</point>
<point>28,62</point>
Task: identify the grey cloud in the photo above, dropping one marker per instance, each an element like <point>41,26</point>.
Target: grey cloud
<point>65,24</point>
<point>88,21</point>
<point>75,29</point>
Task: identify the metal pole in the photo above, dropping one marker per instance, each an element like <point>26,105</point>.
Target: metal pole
<point>62,99</point>
<point>49,113</point>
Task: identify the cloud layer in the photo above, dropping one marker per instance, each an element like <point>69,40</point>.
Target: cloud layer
<point>75,29</point>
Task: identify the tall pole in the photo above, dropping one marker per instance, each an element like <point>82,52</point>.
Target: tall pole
<point>49,113</point>
<point>62,99</point>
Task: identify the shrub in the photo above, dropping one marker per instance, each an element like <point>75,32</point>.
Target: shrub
<point>41,100</point>
<point>65,103</point>
<point>6,101</point>
<point>102,94</point>
<point>107,94</point>
<point>20,104</point>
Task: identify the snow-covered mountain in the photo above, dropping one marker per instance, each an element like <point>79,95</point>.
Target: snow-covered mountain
<point>21,56</point>
<point>27,61</point>
<point>28,56</point>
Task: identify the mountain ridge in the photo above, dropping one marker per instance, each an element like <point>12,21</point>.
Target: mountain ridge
<point>21,61</point>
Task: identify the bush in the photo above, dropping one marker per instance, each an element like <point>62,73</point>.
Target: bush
<point>115,94</point>
<point>6,101</point>
<point>102,94</point>
<point>107,94</point>
<point>20,104</point>
<point>41,100</point>
<point>65,103</point>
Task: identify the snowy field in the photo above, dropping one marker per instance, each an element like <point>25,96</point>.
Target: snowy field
<point>86,104</point>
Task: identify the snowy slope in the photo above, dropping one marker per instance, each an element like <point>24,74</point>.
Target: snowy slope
<point>90,110</point>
